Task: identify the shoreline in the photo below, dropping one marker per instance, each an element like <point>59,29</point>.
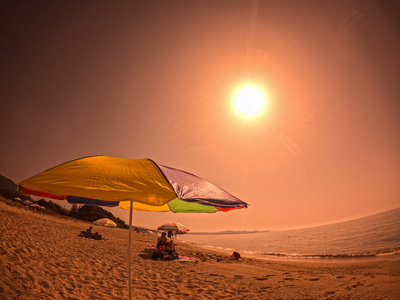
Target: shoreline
<point>299,258</point>
<point>42,257</point>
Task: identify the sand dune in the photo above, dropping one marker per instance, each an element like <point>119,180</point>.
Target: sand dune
<point>42,257</point>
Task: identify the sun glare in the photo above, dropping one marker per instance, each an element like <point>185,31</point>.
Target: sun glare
<point>249,101</point>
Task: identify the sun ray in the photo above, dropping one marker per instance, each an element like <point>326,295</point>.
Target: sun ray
<point>293,148</point>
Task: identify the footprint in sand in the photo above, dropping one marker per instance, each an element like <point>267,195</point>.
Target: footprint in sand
<point>329,293</point>
<point>353,286</point>
<point>44,284</point>
<point>289,278</point>
<point>313,279</point>
<point>264,278</point>
<point>193,286</point>
<point>216,275</point>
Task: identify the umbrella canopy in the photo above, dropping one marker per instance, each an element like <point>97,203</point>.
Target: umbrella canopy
<point>111,181</point>
<point>135,184</point>
<point>105,222</point>
<point>176,227</point>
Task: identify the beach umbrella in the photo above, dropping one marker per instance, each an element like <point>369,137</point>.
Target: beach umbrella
<point>174,227</point>
<point>105,222</point>
<point>134,184</point>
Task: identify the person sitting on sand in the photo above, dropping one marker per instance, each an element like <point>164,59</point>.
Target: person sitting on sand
<point>97,236</point>
<point>162,241</point>
<point>89,233</point>
<point>161,246</point>
<point>170,248</point>
<point>236,256</point>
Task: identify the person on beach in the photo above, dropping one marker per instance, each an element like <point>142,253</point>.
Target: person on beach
<point>162,246</point>
<point>236,256</point>
<point>97,236</point>
<point>89,233</point>
<point>171,248</point>
<point>162,243</point>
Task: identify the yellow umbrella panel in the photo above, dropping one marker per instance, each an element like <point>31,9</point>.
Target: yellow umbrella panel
<point>115,179</point>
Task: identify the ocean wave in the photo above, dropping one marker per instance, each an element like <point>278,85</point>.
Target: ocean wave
<point>366,254</point>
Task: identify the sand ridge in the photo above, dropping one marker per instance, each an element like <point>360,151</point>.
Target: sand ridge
<point>42,257</point>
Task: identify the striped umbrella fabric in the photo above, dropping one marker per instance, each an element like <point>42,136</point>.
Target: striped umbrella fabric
<point>173,226</point>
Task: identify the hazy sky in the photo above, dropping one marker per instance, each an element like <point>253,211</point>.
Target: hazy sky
<point>154,79</point>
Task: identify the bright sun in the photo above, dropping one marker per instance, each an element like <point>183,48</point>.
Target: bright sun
<point>249,101</point>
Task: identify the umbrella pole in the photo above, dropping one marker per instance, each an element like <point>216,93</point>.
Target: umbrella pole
<point>129,252</point>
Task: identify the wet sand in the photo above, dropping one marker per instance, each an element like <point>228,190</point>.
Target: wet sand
<point>42,257</point>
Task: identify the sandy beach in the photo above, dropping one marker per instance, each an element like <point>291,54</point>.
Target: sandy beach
<point>42,257</point>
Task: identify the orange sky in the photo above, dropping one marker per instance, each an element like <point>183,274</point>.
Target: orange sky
<point>154,80</point>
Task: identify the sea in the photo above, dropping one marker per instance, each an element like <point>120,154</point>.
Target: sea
<point>373,236</point>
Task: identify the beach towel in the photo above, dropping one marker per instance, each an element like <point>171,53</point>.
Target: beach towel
<point>183,258</point>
